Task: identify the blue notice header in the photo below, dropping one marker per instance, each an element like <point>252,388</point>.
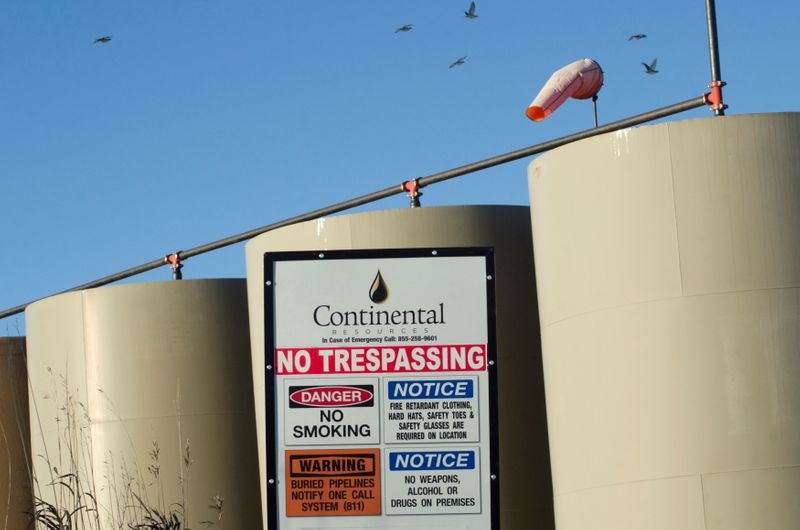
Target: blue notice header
<point>432,389</point>
<point>431,460</point>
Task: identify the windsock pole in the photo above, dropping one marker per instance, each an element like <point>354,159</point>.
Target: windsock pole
<point>716,84</point>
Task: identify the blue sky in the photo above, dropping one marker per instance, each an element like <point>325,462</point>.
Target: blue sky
<point>205,118</point>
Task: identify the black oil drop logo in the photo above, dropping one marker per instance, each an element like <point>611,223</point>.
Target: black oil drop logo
<point>378,291</point>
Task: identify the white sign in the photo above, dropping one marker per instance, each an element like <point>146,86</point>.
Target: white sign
<point>425,410</point>
<point>433,480</point>
<point>331,411</point>
<point>380,379</point>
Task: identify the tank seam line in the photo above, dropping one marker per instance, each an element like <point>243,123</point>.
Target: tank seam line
<point>662,299</point>
<point>674,209</point>
<point>613,484</point>
<point>91,401</point>
<point>703,502</point>
<point>671,477</point>
<point>161,417</point>
<point>745,470</point>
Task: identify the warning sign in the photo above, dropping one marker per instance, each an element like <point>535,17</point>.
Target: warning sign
<point>432,410</point>
<point>333,482</point>
<point>432,481</point>
<point>332,411</point>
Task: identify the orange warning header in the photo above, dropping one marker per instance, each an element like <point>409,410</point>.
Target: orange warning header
<point>329,482</point>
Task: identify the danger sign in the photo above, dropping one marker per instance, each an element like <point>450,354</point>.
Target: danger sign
<point>332,411</point>
<point>333,482</point>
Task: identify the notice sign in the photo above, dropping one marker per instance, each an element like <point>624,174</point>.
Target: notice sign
<point>428,410</point>
<point>343,482</point>
<point>381,389</point>
<point>432,480</point>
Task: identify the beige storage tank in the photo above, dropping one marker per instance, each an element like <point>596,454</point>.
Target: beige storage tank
<point>16,498</point>
<point>525,488</point>
<point>668,268</point>
<point>141,395</point>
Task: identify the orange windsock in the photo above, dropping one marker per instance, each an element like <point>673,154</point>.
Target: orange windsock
<point>580,80</point>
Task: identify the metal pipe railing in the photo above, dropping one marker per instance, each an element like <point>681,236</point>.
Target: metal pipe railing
<point>382,194</point>
<point>558,142</point>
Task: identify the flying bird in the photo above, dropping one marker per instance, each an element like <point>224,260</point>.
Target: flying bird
<point>471,12</point>
<point>458,62</point>
<point>103,40</point>
<point>650,69</point>
<point>638,36</point>
<point>404,28</point>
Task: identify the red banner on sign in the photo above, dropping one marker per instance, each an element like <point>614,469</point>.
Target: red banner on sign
<point>386,359</point>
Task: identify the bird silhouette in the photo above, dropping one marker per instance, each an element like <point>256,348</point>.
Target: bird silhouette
<point>404,28</point>
<point>471,12</point>
<point>102,40</point>
<point>458,62</point>
<point>650,69</point>
<point>638,36</point>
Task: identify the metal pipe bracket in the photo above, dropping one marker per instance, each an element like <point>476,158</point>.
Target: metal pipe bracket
<point>174,261</point>
<point>412,187</point>
<point>714,98</point>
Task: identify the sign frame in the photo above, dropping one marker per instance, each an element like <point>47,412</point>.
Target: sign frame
<point>271,384</point>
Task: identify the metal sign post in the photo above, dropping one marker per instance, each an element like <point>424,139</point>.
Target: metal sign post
<point>381,389</point>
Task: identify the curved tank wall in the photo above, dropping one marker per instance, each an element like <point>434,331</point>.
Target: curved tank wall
<point>144,391</point>
<point>668,270</point>
<point>526,494</point>
<point>16,498</point>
